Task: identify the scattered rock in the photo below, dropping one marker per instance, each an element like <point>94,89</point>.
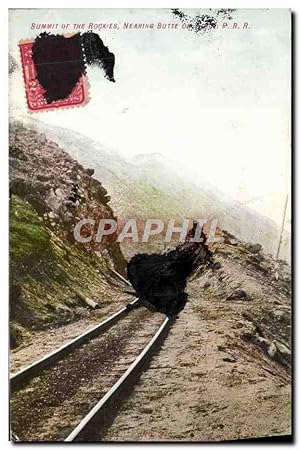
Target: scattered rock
<point>229,238</point>
<point>206,285</point>
<point>257,258</point>
<point>69,203</point>
<point>278,314</point>
<point>67,217</point>
<point>52,215</point>
<point>272,349</point>
<point>266,345</point>
<point>283,349</point>
<point>54,202</point>
<point>90,172</point>
<point>255,248</point>
<point>60,193</point>
<point>238,295</point>
<point>221,348</point>
<point>146,410</point>
<point>229,359</point>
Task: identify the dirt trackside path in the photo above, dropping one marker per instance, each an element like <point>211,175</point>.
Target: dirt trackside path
<point>43,342</point>
<point>217,376</point>
<point>201,388</point>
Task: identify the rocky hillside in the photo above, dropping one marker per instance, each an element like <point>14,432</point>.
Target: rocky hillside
<point>53,278</point>
<point>244,275</point>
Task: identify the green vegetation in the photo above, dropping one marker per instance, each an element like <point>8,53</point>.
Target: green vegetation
<point>46,273</point>
<point>29,239</point>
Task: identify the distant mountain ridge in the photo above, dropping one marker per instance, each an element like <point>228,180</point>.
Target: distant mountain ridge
<point>149,185</point>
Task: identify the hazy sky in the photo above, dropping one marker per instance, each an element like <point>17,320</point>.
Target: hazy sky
<point>218,103</point>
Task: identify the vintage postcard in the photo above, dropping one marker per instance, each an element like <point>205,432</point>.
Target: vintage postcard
<point>150,225</point>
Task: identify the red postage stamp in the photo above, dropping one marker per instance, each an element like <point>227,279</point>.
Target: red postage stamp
<point>36,101</point>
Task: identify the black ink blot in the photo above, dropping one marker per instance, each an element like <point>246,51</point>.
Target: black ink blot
<point>160,280</point>
<point>97,54</point>
<point>201,23</point>
<point>60,61</point>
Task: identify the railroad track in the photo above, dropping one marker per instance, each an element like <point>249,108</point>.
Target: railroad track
<point>35,368</point>
<point>72,394</point>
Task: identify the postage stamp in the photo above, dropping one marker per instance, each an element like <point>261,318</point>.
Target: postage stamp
<point>54,68</point>
<point>35,93</point>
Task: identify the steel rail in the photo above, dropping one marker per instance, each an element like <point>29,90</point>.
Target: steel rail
<point>99,413</point>
<point>120,276</point>
<point>35,368</point>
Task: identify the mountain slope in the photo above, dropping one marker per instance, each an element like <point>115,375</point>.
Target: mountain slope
<point>51,276</point>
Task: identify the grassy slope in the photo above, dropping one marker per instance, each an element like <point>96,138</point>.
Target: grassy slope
<point>46,274</point>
